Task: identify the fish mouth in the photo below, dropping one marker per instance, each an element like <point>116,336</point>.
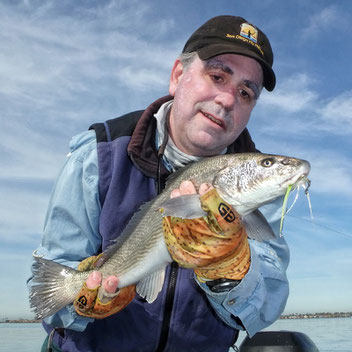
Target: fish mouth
<point>300,178</point>
<point>303,180</point>
<point>214,119</point>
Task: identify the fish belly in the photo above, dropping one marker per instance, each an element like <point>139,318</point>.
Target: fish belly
<point>156,259</point>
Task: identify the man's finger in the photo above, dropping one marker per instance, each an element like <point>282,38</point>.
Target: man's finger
<point>107,291</point>
<point>85,299</point>
<point>187,187</point>
<point>175,193</point>
<point>94,280</point>
<point>204,188</point>
<point>110,284</point>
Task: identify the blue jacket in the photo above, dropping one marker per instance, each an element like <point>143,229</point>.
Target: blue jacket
<point>186,316</point>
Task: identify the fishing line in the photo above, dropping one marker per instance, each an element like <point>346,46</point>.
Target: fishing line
<point>323,226</point>
<point>284,212</point>
<point>306,187</point>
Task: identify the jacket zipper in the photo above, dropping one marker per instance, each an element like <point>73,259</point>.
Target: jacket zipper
<point>169,302</point>
<point>171,288</point>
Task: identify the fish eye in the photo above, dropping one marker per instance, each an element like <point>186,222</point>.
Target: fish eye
<point>267,162</point>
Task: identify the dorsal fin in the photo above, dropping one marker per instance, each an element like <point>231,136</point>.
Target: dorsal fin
<point>118,242</point>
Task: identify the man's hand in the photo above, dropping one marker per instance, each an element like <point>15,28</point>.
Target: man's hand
<point>99,297</point>
<point>187,187</point>
<point>108,286</point>
<point>216,246</point>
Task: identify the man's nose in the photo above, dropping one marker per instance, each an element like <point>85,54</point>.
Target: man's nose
<point>226,99</point>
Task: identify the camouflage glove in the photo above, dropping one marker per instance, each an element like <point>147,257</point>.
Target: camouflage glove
<point>97,303</point>
<point>215,246</point>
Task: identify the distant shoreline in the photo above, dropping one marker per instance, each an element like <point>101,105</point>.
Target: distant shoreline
<point>286,316</point>
<point>317,315</point>
<point>22,321</point>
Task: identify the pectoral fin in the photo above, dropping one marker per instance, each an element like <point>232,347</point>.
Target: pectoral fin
<point>150,286</point>
<point>186,207</point>
<point>257,227</point>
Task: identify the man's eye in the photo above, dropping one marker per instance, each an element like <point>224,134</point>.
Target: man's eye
<point>244,94</point>
<point>217,78</point>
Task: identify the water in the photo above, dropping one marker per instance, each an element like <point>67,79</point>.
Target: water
<point>330,335</point>
<point>21,337</point>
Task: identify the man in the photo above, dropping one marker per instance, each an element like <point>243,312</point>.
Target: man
<point>124,162</point>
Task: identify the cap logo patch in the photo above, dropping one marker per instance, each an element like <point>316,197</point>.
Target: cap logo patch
<point>249,32</point>
<point>249,35</point>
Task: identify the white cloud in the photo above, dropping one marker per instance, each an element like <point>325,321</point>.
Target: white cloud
<point>60,67</point>
<point>337,113</point>
<point>292,96</point>
<point>297,107</point>
<point>141,78</point>
<point>50,59</point>
<point>325,19</point>
<point>30,153</point>
<point>332,176</point>
<point>23,207</point>
<point>283,112</point>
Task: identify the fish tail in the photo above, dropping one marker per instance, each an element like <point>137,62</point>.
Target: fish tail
<point>52,287</point>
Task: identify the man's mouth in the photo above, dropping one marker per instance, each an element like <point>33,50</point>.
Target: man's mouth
<point>212,118</point>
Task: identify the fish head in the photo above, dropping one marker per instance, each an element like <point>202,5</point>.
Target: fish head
<point>251,180</point>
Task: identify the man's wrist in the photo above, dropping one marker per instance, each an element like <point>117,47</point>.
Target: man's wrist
<point>222,285</point>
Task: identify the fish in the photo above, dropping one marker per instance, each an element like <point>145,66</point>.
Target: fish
<point>139,256</point>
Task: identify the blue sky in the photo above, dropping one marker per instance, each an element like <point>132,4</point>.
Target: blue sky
<point>67,64</point>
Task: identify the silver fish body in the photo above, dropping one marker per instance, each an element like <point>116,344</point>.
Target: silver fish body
<point>247,181</point>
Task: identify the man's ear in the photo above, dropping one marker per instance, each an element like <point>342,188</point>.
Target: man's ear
<point>176,74</point>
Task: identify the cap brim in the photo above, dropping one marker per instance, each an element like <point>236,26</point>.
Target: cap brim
<point>212,50</point>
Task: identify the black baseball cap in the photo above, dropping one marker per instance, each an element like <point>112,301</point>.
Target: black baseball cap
<point>232,34</point>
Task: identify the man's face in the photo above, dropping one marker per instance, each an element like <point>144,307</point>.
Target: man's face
<point>212,102</point>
